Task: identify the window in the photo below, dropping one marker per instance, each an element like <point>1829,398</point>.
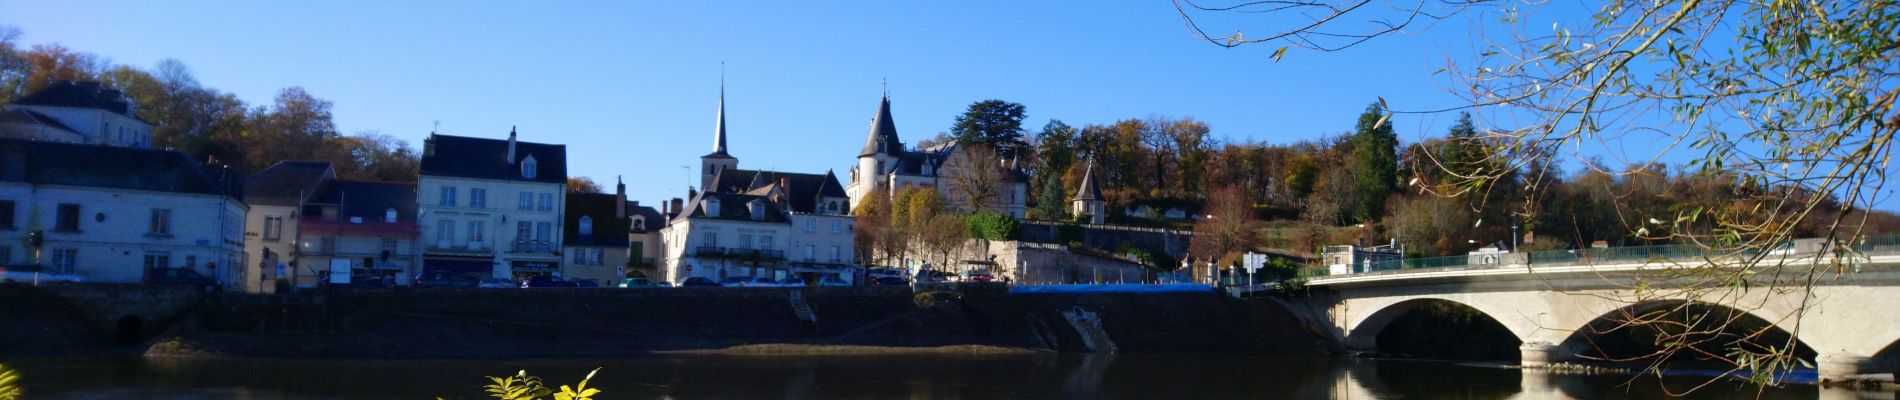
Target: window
<point>837,226</point>
<point>528,168</point>
<point>161,222</point>
<point>811,252</point>
<point>526,203</point>
<point>157,259</point>
<point>191,261</point>
<point>478,197</point>
<point>6,254</point>
<point>765,242</point>
<point>65,260</point>
<point>389,215</point>
<point>712,239</point>
<point>6,214</point>
<point>68,218</point>
<point>445,230</point>
<point>745,241</point>
<point>547,202</point>
<point>833,205</point>
<point>448,196</point>
<point>587,227</point>
<point>273,228</point>
<point>476,231</point>
<point>326,244</point>
<point>389,245</point>
<point>811,224</point>
<point>543,231</point>
<point>524,230</point>
<point>837,253</point>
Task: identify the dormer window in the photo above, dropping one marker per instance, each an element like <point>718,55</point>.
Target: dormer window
<point>639,223</point>
<point>528,167</point>
<point>712,207</point>
<point>587,227</point>
<point>389,215</point>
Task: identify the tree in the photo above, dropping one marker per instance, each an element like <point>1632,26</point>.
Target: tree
<point>996,123</point>
<point>581,184</point>
<point>1052,202</point>
<point>1055,149</point>
<point>1757,91</point>
<point>1229,229</point>
<point>977,178</point>
<point>1375,163</point>
<point>872,227</point>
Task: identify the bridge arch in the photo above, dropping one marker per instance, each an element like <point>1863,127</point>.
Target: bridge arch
<point>1713,328</point>
<point>1362,333</point>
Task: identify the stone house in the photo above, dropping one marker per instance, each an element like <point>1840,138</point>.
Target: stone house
<point>491,208</point>
<point>77,112</point>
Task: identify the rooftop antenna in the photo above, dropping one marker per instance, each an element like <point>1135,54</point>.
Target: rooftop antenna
<point>435,126</point>
<point>886,83</point>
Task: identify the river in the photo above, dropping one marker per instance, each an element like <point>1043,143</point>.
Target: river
<point>1169,376</point>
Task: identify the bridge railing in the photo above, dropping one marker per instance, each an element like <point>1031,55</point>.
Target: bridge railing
<point>1872,245</point>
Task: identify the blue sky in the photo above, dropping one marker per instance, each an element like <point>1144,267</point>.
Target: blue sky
<point>631,88</point>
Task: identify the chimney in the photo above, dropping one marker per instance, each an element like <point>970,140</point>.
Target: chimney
<point>511,145</point>
<point>691,193</point>
<point>428,145</point>
<point>677,204</point>
<point>785,184</point>
<point>620,198</point>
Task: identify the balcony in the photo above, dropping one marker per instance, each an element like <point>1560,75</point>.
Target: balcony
<point>709,251</point>
<point>640,262</point>
<point>453,246</point>
<point>765,255</point>
<point>534,246</point>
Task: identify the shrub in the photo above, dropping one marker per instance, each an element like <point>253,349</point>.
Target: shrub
<point>1069,233</point>
<point>989,225</point>
<point>521,386</point>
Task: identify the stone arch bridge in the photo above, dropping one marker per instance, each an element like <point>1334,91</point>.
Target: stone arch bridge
<point>1847,318</point>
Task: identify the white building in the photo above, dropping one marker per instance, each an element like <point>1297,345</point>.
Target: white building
<point>820,217</point>
<point>276,196</point>
<point>110,213</point>
<point>491,208</point>
<point>76,112</point>
<point>718,235</point>
<point>885,165</point>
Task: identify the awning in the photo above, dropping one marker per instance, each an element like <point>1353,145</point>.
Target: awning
<point>459,265</point>
<point>533,266</point>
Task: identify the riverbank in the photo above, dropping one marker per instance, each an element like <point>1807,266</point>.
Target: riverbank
<point>571,323</point>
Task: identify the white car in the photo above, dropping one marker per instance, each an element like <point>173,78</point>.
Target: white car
<point>34,274</point>
<point>497,283</point>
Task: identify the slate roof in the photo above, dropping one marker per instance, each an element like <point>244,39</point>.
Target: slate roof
<point>288,183</point>
<point>471,157</point>
<point>368,200</point>
<point>655,219</point>
<point>882,126</point>
<point>607,230</point>
<point>30,117</point>
<point>1089,190</point>
<point>52,163</point>
<point>732,206</point>
<point>81,94</point>
<point>803,190</point>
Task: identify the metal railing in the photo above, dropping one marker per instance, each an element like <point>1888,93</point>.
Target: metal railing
<point>709,251</point>
<point>533,247</point>
<point>1681,253</point>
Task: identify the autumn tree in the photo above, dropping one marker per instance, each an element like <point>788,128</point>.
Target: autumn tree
<point>582,184</point>
<point>977,178</point>
<point>1229,229</point>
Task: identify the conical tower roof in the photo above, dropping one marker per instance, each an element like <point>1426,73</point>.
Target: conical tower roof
<point>1088,191</point>
<point>719,126</point>
<point>882,127</point>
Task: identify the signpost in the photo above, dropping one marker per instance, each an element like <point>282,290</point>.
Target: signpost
<point>1253,262</point>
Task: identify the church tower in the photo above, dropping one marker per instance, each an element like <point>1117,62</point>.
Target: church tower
<point>1088,198</point>
<point>880,154</point>
<point>718,160</point>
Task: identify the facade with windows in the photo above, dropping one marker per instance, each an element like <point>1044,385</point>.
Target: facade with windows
<point>491,208</point>
<point>108,214</point>
<point>886,166</point>
<point>81,112</point>
<point>595,239</point>
<point>719,235</point>
<point>272,228</point>
<point>819,213</point>
<point>366,228</point>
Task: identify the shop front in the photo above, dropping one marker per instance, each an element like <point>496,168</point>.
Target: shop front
<point>523,270</point>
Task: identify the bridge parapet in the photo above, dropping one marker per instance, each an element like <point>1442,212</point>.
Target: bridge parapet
<point>1800,251</point>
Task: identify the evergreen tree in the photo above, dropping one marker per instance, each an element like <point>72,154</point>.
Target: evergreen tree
<point>1375,163</point>
<point>1051,198</point>
<point>996,123</point>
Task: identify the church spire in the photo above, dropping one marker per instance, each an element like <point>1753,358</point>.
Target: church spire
<point>1088,190</point>
<point>719,127</point>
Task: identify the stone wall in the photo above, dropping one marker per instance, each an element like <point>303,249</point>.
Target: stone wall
<point>1113,237</point>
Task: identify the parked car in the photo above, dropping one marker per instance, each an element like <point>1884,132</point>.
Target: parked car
<point>832,281</point>
<point>734,280</point>
<point>933,276</point>
<point>180,277</point>
<point>32,274</point>
<point>544,281</point>
<point>760,282</point>
<point>586,283</point>
<point>889,281</point>
<point>497,283</point>
<point>446,279</point>
<point>698,282</point>
<point>792,282</point>
<point>638,283</point>
<point>980,277</point>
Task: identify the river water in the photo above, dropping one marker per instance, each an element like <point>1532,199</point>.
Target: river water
<point>1043,376</point>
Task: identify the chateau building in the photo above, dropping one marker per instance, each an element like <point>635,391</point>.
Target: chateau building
<point>885,165</point>
<point>76,112</point>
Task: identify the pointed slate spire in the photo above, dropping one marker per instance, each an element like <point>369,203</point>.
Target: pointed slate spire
<point>719,127</point>
<point>1088,191</point>
<point>883,129</point>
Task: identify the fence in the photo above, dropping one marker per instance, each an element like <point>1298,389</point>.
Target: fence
<point>1872,245</point>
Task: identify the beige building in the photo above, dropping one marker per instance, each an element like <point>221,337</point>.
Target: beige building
<point>596,236</point>
<point>490,207</point>
<point>272,230</point>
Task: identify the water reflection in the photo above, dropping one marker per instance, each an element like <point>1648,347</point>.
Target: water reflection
<point>1175,376</point>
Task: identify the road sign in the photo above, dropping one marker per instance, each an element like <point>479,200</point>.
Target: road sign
<point>1253,261</point>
